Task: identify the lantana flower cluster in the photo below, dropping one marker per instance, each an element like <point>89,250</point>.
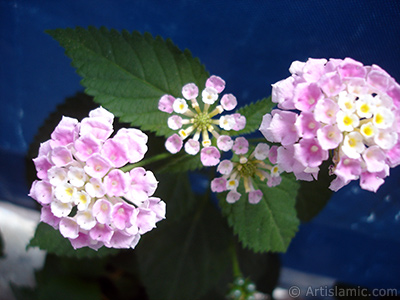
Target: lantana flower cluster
<point>84,193</point>
<point>196,121</point>
<point>339,109</point>
<point>243,168</point>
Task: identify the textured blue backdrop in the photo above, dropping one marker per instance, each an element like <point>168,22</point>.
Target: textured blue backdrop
<point>251,45</point>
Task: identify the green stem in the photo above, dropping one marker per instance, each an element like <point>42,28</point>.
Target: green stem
<point>257,140</point>
<point>150,160</point>
<point>235,262</point>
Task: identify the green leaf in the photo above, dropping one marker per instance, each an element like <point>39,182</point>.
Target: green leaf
<point>314,195</point>
<point>269,225</point>
<point>183,260</point>
<point>51,240</point>
<point>182,162</point>
<point>127,73</point>
<point>254,113</point>
<point>177,193</point>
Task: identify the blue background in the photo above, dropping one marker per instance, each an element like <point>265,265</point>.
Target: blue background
<point>250,44</point>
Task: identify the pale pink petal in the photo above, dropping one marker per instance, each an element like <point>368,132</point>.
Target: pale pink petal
<point>310,153</point>
<point>174,143</point>
<point>69,228</point>
<point>265,128</point>
<point>273,154</point>
<point>348,169</point>
<point>224,143</point>
<point>228,102</point>
<point>280,128</point>
<point>209,95</point>
<point>287,161</point>
<point>210,156</point>
<point>296,67</point>
<point>135,140</point>
<point>116,183</point>
<point>274,180</point>
<point>42,165</point>
<point>240,122</point>
<point>95,188</point>
<point>306,96</point>
<point>393,155</point>
<point>165,103</point>
<point>46,216</point>
<point>83,240</point>
<point>325,111</point>
<point>45,148</point>
<point>101,233</point>
<point>261,151</point>
<point>351,68</point>
<point>116,152</point>
<point>121,215</point>
<point>394,93</point>
<point>60,209</point>
<point>192,147</point>
<point>255,196</point>
<point>102,113</point>
<point>190,91</point>
<point>57,175</point>
<point>338,183</point>
<point>232,197</point>
<point>143,184</point>
<point>145,220</point>
<point>282,93</point>
<point>306,125</point>
<point>85,220</point>
<point>175,122</point>
<point>370,181</point>
<point>331,84</point>
<point>157,206</point>
<point>216,82</point>
<point>86,146</point>
<point>374,159</point>
<point>97,166</point>
<point>121,240</point>
<point>99,127</point>
<point>240,146</point>
<point>65,132</point>
<point>313,69</point>
<point>102,211</point>
<point>42,192</point>
<point>378,78</point>
<point>218,185</point>
<point>61,156</point>
<point>329,137</point>
<point>225,167</point>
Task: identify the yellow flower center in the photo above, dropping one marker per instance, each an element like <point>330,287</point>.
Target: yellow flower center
<point>69,191</point>
<point>364,108</point>
<point>352,142</point>
<point>379,119</point>
<point>347,121</point>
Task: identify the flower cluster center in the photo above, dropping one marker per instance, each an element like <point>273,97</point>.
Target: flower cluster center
<point>247,169</point>
<point>202,121</point>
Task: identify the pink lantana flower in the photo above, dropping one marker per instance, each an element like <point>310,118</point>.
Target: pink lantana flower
<point>338,107</point>
<point>194,120</point>
<point>79,168</point>
<point>242,170</point>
